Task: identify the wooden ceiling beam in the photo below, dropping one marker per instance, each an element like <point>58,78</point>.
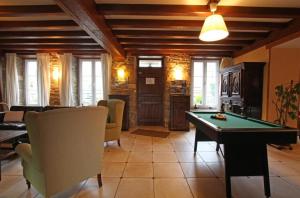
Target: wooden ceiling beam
<point>184,24</point>
<point>85,14</point>
<point>292,29</point>
<point>196,10</point>
<point>47,42</point>
<point>49,47</point>
<point>74,52</point>
<point>50,25</point>
<point>133,41</point>
<point>169,52</point>
<point>182,47</point>
<point>32,10</point>
<point>184,34</point>
<point>43,34</point>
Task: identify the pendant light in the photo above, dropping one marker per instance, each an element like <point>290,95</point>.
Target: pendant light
<point>214,27</point>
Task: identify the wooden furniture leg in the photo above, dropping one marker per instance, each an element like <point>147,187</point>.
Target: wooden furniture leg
<point>99,180</point>
<point>119,142</point>
<point>28,184</point>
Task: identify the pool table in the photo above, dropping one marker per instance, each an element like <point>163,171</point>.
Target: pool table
<point>245,142</point>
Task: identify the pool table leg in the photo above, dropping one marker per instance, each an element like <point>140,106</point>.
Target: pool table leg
<point>227,172</point>
<point>196,140</point>
<point>266,171</point>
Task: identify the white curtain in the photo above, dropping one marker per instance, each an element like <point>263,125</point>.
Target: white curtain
<point>12,81</point>
<point>66,80</point>
<point>106,61</point>
<point>43,70</point>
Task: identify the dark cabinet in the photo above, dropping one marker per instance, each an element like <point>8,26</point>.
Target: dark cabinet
<point>125,98</point>
<point>178,105</point>
<point>242,89</point>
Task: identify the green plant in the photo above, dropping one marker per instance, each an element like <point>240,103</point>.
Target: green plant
<point>286,102</point>
<point>198,99</point>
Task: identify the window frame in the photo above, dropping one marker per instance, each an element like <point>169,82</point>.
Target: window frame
<point>150,59</point>
<point>26,60</point>
<point>93,60</point>
<point>204,83</point>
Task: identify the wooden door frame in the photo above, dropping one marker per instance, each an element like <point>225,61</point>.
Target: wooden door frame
<point>1,83</point>
<point>137,87</point>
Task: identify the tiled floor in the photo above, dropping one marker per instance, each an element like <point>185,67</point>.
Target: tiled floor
<point>167,167</point>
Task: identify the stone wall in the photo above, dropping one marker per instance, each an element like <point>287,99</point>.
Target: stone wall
<point>171,62</point>
<point>2,77</point>
<point>54,84</point>
<point>75,81</point>
<point>128,88</point>
<point>21,74</point>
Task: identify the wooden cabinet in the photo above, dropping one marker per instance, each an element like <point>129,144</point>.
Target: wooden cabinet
<point>178,105</point>
<point>125,98</point>
<point>241,89</point>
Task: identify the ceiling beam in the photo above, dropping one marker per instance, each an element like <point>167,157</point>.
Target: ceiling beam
<point>84,13</point>
<point>182,47</point>
<point>74,52</point>
<point>132,41</point>
<point>47,42</point>
<point>184,34</point>
<point>32,10</point>
<point>184,24</point>
<point>43,34</point>
<point>49,47</point>
<point>196,10</point>
<point>293,28</point>
<point>169,52</point>
<point>38,25</point>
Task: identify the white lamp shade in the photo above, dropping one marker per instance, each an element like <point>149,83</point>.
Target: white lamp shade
<point>213,29</point>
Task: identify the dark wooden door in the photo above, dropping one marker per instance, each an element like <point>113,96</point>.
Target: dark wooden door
<point>1,85</point>
<point>150,88</point>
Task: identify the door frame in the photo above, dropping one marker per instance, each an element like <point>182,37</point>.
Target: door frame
<point>162,58</point>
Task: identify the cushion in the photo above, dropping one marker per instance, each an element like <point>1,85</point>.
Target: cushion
<point>13,116</point>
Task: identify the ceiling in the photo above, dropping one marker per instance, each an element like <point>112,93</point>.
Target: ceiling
<point>252,3</point>
<point>148,27</point>
<point>294,43</point>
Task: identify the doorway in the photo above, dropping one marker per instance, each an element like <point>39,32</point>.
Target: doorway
<point>150,89</point>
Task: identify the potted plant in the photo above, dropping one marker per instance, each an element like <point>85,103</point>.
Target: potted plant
<point>286,103</point>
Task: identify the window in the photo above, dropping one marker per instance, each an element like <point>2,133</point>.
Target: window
<point>91,82</point>
<point>150,63</point>
<point>31,82</point>
<point>205,83</point>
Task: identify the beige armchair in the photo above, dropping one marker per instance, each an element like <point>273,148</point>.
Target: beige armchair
<point>66,148</point>
<point>3,107</point>
<point>115,117</point>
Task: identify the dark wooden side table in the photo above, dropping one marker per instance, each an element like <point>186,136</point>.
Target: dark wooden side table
<point>6,135</point>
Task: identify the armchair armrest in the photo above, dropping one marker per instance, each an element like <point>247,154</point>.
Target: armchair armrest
<point>24,150</point>
<point>110,125</point>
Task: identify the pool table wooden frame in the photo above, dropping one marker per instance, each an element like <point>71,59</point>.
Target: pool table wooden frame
<point>245,149</point>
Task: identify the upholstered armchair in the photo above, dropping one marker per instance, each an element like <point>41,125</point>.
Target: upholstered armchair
<point>115,117</point>
<point>3,107</point>
<point>66,148</point>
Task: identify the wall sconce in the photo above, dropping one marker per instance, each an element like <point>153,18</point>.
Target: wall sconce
<point>55,74</point>
<point>178,73</point>
<point>121,74</point>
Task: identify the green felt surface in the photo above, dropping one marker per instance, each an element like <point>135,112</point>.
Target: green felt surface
<point>233,122</point>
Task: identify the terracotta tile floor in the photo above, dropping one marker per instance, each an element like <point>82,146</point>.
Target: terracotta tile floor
<point>166,167</point>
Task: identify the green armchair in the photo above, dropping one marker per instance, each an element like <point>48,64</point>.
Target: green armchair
<point>115,117</point>
<point>66,148</point>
